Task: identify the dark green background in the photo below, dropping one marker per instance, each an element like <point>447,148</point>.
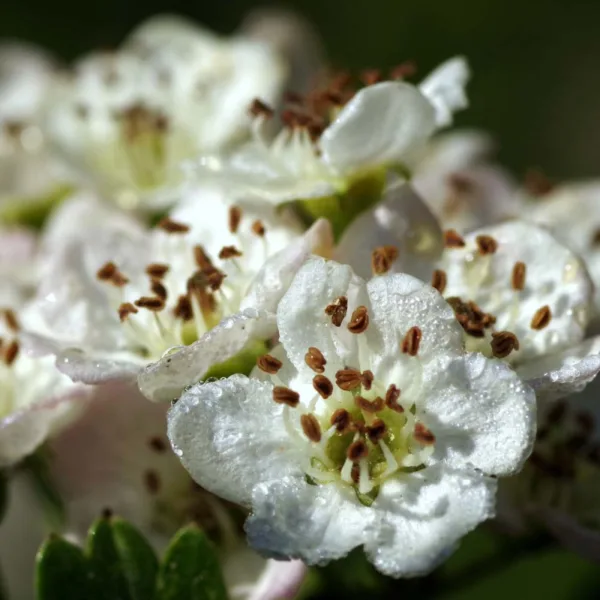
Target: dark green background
<point>536,81</point>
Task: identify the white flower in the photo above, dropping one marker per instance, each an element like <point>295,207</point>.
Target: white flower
<point>371,427</point>
<point>326,149</point>
<point>116,297</point>
<point>117,456</point>
<point>128,119</point>
<point>522,296</point>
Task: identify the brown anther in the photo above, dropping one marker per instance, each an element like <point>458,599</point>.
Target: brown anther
<point>258,228</point>
<point>107,271</point>
<point>518,276</point>
<point>259,109</point>
<point>11,319</point>
<point>460,183</point>
<point>369,406</point>
<point>367,378</point>
<point>391,399</point>
<point>229,252</point>
<point>291,97</point>
<point>376,431</point>
<point>11,352</point>
<point>152,303</point>
<point>382,259</point>
<point>183,309</point>
<point>323,386</point>
<point>337,310</point>
<point>503,343</point>
<point>359,320</point>
<point>125,310</point>
<point>315,360</point>
<point>159,290</point>
<point>452,239</point>
<point>311,427</point>
<point>152,481</point>
<point>119,280</point>
<point>201,258</point>
<point>170,226</point>
<point>235,216</point>
<point>541,318</point>
<point>157,270</point>
<point>348,379</point>
<point>283,395</point>
<point>371,76</point>
<point>403,70</point>
<point>357,450</point>
<point>355,474</point>
<point>472,319</point>
<point>412,341</point>
<point>341,419</point>
<point>269,364</point>
<point>157,444</point>
<point>537,183</point>
<point>422,435</point>
<point>439,280</point>
<point>486,244</point>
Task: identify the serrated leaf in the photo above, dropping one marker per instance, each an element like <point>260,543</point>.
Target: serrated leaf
<point>190,569</point>
<point>61,572</point>
<point>138,561</point>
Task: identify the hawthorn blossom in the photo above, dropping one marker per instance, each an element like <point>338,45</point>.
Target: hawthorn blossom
<point>128,118</point>
<point>117,456</point>
<point>522,296</point>
<point>116,298</point>
<point>338,142</point>
<point>369,426</point>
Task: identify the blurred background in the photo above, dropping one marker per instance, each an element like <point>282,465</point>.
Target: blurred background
<point>536,85</point>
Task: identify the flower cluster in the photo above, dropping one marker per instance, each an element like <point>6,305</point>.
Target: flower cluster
<point>238,287</point>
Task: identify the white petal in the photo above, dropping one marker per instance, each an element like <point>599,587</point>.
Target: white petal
<point>555,277</point>
<point>402,220</point>
<point>423,520</point>
<point>279,580</point>
<point>384,124</point>
<point>482,414</point>
<point>445,89</point>
<point>165,379</point>
<point>93,370</point>
<point>229,435</point>
<point>564,373</point>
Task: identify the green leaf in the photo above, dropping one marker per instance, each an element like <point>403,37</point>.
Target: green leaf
<point>62,572</point>
<point>190,569</point>
<point>138,561</point>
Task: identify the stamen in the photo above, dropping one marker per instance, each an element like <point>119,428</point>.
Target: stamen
<point>10,353</point>
<point>337,310</point>
<point>367,378</point>
<point>258,108</point>
<point>258,228</point>
<point>423,435</point>
<point>269,364</point>
<point>439,280</point>
<point>357,451</point>
<point>202,259</point>
<point>229,252</point>
<point>541,318</point>
<point>315,360</point>
<point>235,216</point>
<point>341,420</point>
<point>460,183</point>
<point>359,320</point>
<point>11,319</point>
<point>150,303</point>
<point>348,379</point>
<point>412,341</point>
<point>170,226</point>
<point>471,318</point>
<point>355,472</point>
<point>371,76</point>
<point>157,444</point>
<point>376,431</point>
<point>452,239</point>
<point>159,290</point>
<point>323,386</point>
<point>518,276</point>
<point>391,399</point>
<point>369,406</point>
<point>537,183</point>
<point>503,343</point>
<point>311,428</point>
<point>183,309</point>
<point>283,395</point>
<point>107,271</point>
<point>486,244</point>
<point>152,481</point>
<point>382,259</point>
<point>125,310</point>
<point>157,270</point>
<point>403,70</point>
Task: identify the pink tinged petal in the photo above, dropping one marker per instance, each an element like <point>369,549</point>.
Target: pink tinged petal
<point>402,220</point>
<point>165,379</point>
<point>279,580</point>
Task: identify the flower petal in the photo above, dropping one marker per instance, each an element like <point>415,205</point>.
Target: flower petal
<point>229,435</point>
<point>94,370</point>
<point>384,124</point>
<point>279,580</point>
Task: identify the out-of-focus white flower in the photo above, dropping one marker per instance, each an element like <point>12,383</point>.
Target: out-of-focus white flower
<point>117,456</point>
<point>174,90</point>
<point>115,297</point>
<point>370,427</point>
<point>336,139</point>
<point>522,296</point>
